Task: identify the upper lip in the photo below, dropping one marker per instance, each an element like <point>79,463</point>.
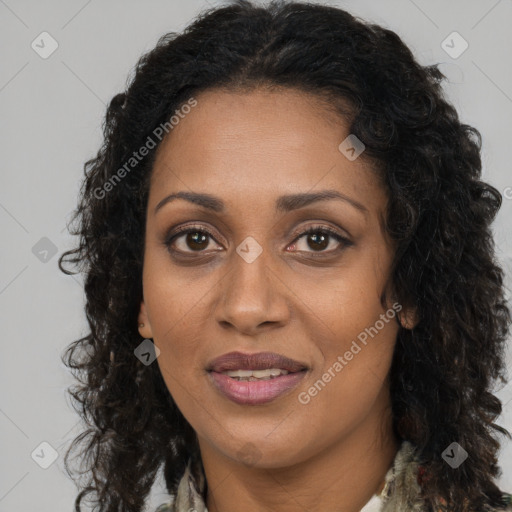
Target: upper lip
<point>259,361</point>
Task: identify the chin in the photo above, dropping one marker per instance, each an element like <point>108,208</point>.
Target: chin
<point>263,453</point>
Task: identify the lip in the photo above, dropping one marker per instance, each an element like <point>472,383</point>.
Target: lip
<point>255,392</point>
<point>258,361</point>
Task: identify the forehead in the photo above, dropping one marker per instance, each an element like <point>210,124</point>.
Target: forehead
<point>258,144</point>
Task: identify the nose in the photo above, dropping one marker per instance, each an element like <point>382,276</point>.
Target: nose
<point>254,297</point>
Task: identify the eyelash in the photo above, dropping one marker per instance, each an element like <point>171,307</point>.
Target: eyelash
<point>325,230</point>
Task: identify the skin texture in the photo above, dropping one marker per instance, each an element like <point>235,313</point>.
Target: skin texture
<point>248,149</point>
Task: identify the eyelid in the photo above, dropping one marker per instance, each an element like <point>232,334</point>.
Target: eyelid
<point>300,232</point>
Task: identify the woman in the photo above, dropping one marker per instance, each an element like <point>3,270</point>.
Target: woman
<point>292,292</point>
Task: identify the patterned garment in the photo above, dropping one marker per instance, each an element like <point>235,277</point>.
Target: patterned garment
<point>401,492</point>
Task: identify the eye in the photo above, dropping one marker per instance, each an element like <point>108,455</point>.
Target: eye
<point>318,238</point>
<point>195,239</point>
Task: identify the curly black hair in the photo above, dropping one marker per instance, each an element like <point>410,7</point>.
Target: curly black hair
<point>439,213</point>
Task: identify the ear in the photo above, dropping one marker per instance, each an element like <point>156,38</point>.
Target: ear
<point>408,317</point>
<point>145,330</point>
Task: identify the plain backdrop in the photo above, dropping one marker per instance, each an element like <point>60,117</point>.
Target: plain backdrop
<point>51,110</point>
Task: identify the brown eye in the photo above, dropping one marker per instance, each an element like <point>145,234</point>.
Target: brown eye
<point>191,240</point>
<point>196,240</point>
<point>318,239</point>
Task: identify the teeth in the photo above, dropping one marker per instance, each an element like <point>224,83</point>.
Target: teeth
<point>252,375</point>
<point>239,373</point>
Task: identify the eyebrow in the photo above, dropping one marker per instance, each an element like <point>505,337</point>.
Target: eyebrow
<point>285,203</point>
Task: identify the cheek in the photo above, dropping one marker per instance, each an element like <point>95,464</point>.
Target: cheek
<point>347,300</point>
<point>363,340</point>
<point>175,300</point>
<point>352,379</point>
<point>357,348</point>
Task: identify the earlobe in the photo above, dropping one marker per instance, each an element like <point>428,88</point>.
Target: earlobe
<point>409,318</point>
<point>144,325</point>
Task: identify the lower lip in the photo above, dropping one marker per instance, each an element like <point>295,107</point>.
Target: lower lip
<point>255,392</point>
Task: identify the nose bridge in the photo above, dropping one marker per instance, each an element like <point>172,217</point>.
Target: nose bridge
<point>252,295</point>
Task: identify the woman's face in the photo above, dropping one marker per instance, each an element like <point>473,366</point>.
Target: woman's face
<point>248,280</point>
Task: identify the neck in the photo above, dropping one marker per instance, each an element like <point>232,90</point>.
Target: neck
<point>342,477</point>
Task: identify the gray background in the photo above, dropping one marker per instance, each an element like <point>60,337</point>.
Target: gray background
<point>52,110</point>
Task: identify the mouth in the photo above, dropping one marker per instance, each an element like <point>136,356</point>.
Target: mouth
<point>253,379</point>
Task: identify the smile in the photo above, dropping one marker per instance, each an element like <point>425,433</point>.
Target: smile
<point>253,390</point>
<point>254,379</point>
